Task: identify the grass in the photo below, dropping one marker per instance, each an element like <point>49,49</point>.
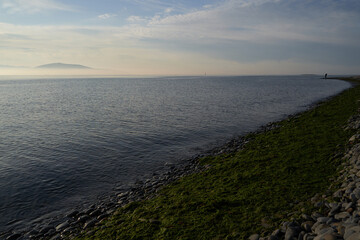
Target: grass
<point>245,192</point>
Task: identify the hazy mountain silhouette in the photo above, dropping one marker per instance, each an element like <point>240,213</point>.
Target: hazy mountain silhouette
<point>63,66</point>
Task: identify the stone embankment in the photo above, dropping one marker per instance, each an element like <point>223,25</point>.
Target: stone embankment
<point>338,214</point>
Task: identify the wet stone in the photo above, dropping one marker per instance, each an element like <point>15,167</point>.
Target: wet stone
<point>254,237</point>
<point>62,226</point>
<point>89,224</point>
<point>291,232</point>
<point>322,219</point>
<point>83,218</point>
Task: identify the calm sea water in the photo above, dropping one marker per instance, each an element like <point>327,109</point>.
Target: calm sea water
<point>65,142</point>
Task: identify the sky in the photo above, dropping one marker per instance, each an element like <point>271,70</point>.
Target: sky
<point>181,37</point>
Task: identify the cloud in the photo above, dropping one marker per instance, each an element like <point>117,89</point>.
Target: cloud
<point>260,21</point>
<point>106,16</point>
<point>33,6</point>
<point>136,19</point>
<point>168,10</point>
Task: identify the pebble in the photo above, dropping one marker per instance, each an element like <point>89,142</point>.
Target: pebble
<point>90,223</point>
<point>62,226</point>
<point>254,237</point>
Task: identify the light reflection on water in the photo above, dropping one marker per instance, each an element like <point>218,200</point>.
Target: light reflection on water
<point>63,142</point>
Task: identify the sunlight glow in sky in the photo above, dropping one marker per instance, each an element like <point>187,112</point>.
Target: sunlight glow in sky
<point>182,37</point>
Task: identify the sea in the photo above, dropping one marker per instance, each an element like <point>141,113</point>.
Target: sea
<point>68,142</point>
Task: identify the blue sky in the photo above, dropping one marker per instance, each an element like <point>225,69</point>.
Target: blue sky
<point>231,37</point>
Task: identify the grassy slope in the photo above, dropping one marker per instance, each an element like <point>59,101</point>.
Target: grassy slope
<point>261,182</point>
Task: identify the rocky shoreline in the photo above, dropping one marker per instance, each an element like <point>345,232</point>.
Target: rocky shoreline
<point>310,227</point>
<point>337,214</point>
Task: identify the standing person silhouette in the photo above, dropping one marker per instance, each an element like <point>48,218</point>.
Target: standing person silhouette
<point>325,75</point>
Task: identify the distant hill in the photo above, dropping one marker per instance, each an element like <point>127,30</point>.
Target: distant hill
<point>63,66</point>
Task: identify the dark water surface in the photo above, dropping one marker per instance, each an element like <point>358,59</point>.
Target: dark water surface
<point>65,142</point>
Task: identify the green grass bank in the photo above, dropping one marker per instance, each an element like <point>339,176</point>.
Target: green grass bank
<point>250,191</point>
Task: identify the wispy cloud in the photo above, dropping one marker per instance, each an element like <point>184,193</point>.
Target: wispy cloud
<point>228,32</point>
<point>106,16</point>
<point>275,20</point>
<point>33,6</point>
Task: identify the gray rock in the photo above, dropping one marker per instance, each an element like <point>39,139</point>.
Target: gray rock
<point>62,226</point>
<point>327,236</point>
<point>72,214</point>
<point>306,217</point>
<point>342,215</point>
<point>306,226</point>
<point>316,215</point>
<point>335,209</point>
<point>349,231</point>
<point>254,237</point>
<point>348,205</point>
<point>95,213</point>
<point>291,232</point>
<point>338,194</point>
<point>353,197</point>
<point>322,228</point>
<point>308,236</point>
<point>276,233</point>
<point>322,219</point>
<point>89,224</point>
<point>301,235</point>
<point>83,218</point>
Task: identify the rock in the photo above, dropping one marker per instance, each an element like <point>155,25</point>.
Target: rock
<point>254,237</point>
<point>327,236</point>
<point>95,213</point>
<point>350,231</point>
<point>342,215</point>
<point>83,218</point>
<point>291,232</point>
<point>308,236</point>
<point>56,237</point>
<point>322,219</point>
<point>338,194</point>
<point>306,217</point>
<point>89,224</point>
<point>62,226</point>
<point>322,228</point>
<point>353,197</point>
<point>301,235</point>
<point>306,226</point>
<point>316,215</point>
<point>335,209</point>
<point>276,233</point>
